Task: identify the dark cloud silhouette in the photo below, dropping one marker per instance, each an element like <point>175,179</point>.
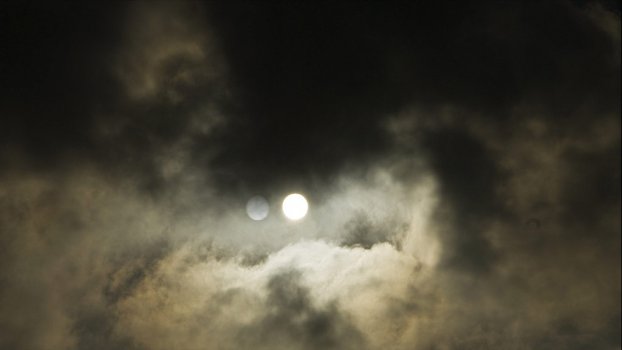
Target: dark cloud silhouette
<point>360,231</point>
<point>461,161</point>
<point>293,322</point>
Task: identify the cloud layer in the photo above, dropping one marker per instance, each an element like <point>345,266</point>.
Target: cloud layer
<point>462,165</point>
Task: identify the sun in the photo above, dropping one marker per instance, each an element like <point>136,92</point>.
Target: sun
<point>295,206</point>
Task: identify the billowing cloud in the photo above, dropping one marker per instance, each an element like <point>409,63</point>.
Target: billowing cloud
<point>461,163</point>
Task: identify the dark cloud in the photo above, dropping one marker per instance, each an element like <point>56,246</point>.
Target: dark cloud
<point>360,231</point>
<point>292,322</point>
<point>94,330</point>
<point>467,176</point>
<point>462,164</point>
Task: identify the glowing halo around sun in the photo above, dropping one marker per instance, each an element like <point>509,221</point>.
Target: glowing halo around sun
<point>295,206</point>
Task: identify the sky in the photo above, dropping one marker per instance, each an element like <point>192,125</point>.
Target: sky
<point>461,161</point>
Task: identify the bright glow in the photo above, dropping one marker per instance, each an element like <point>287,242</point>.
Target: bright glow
<point>257,208</point>
<point>295,206</point>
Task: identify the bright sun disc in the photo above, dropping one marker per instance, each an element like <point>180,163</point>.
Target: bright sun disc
<point>295,206</point>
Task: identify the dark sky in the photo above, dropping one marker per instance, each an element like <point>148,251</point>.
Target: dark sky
<point>461,162</point>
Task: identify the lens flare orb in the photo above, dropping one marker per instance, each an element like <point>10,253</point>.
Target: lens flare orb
<point>257,208</point>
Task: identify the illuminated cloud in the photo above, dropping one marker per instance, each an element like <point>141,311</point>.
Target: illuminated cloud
<point>461,165</point>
